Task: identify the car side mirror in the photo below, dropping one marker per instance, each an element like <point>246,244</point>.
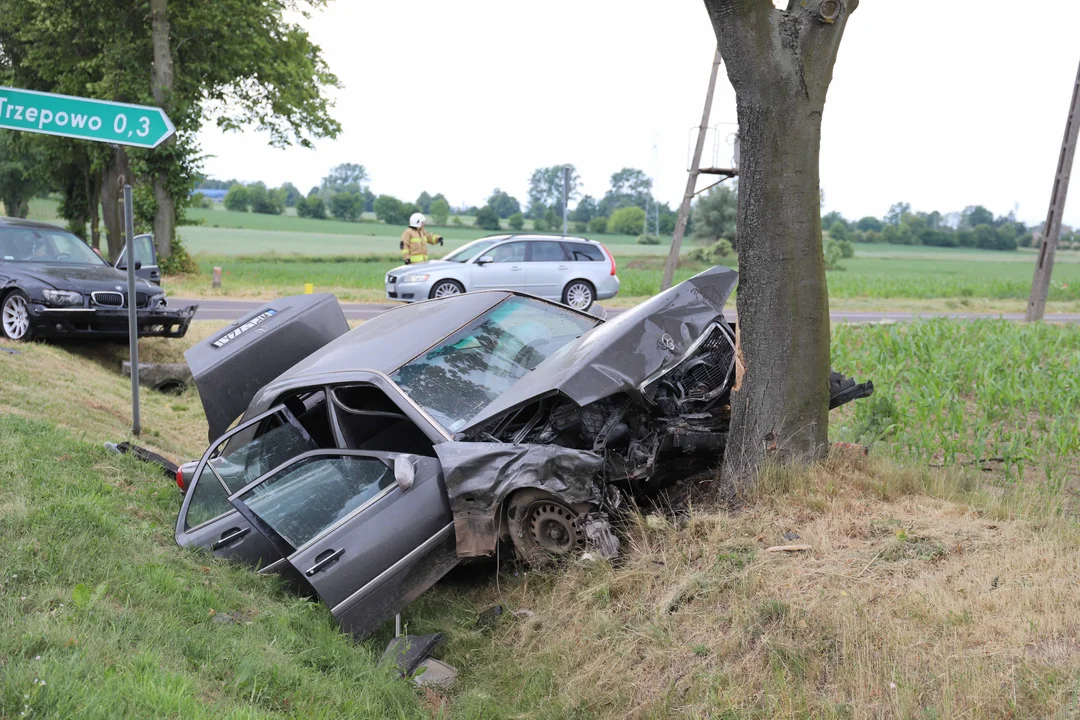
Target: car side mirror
<point>404,473</point>
<point>597,311</point>
<point>485,260</point>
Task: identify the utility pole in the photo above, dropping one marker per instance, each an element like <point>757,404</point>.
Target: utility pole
<point>565,197</point>
<point>691,182</point>
<point>1040,284</point>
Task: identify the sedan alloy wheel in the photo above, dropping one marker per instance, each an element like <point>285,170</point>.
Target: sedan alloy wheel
<point>15,316</point>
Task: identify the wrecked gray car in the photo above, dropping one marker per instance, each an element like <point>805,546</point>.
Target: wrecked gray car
<point>369,462</point>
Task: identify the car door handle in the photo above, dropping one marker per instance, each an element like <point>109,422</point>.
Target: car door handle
<point>229,536</point>
<point>325,560</point>
<point>561,267</point>
<point>515,268</point>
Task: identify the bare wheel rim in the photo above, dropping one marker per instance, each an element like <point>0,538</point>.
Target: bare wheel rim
<point>579,295</point>
<point>554,528</point>
<point>16,317</point>
<point>446,288</point>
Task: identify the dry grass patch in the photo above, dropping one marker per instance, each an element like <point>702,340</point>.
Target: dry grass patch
<point>79,387</point>
<point>920,598</point>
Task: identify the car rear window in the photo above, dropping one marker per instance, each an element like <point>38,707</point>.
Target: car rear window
<point>582,252</point>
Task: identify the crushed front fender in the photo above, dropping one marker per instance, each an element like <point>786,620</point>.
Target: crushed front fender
<point>480,476</point>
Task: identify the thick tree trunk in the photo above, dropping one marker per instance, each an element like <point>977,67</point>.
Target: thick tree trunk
<point>93,198</point>
<point>162,85</point>
<point>15,205</point>
<point>780,64</point>
<point>112,192</point>
<point>781,409</point>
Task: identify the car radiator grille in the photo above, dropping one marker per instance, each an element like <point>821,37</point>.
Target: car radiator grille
<point>704,378</point>
<point>108,298</point>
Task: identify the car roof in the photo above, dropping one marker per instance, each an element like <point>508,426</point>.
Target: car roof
<point>533,236</point>
<point>388,341</point>
<point>20,222</point>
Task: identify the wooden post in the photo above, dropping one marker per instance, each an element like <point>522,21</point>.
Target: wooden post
<point>691,182</point>
<point>1040,284</point>
<point>216,282</point>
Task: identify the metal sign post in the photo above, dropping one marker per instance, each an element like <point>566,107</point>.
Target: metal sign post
<point>133,319</point>
<point>100,121</point>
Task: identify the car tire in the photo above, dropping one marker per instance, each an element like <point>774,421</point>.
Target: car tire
<point>15,316</point>
<point>543,528</point>
<point>446,288</point>
<point>579,294</point>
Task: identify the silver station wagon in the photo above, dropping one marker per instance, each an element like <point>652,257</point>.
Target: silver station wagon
<point>571,270</point>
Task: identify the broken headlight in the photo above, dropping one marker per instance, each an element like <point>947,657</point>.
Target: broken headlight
<point>62,298</point>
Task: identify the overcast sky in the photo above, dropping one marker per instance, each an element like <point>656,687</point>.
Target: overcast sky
<point>943,104</point>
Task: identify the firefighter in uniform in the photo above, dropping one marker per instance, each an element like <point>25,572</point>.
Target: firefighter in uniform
<point>415,240</point>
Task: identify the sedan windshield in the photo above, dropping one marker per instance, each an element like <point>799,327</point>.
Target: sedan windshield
<point>458,378</point>
<point>465,253</point>
<point>37,245</point>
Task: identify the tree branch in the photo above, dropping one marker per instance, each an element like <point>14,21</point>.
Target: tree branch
<point>744,37</point>
<point>821,26</point>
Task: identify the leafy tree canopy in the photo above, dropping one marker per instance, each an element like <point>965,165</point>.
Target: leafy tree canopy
<point>503,203</point>
<point>487,218</point>
<point>546,189</point>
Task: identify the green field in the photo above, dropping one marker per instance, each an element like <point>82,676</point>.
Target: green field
<point>266,255</point>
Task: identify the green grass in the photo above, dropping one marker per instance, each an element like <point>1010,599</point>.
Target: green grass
<point>104,617</point>
<point>962,392</point>
<point>980,277</point>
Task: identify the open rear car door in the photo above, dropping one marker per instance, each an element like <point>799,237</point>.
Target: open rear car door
<point>369,530</point>
<point>250,450</point>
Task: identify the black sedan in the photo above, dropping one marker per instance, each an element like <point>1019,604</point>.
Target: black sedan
<point>52,285</point>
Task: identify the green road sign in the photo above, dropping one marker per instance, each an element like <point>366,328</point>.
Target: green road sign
<point>82,118</point>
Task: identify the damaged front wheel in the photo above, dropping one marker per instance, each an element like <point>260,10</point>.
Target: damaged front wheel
<point>543,528</point>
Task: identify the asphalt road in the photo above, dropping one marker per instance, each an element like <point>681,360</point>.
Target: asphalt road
<point>235,309</point>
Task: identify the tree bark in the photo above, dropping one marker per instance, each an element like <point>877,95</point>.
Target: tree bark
<point>162,84</point>
<point>111,194</point>
<point>780,64</point>
<point>93,197</point>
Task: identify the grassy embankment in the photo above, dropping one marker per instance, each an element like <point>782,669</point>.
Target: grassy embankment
<point>936,593</point>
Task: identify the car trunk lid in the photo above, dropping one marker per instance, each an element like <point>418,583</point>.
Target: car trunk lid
<point>231,365</point>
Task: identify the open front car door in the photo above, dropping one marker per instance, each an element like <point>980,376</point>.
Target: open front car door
<point>370,531</point>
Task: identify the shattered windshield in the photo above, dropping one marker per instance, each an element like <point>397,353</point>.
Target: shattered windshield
<point>458,378</point>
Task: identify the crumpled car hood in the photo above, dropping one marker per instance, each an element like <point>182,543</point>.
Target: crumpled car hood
<point>620,354</point>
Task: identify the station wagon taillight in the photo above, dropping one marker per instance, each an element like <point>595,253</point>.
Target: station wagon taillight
<point>610,257</point>
<point>180,478</point>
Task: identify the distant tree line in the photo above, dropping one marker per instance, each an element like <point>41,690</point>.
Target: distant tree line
<point>342,194</point>
<point>974,227</point>
<point>626,208</point>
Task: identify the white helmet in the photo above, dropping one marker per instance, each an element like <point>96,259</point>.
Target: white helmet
<point>416,220</point>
